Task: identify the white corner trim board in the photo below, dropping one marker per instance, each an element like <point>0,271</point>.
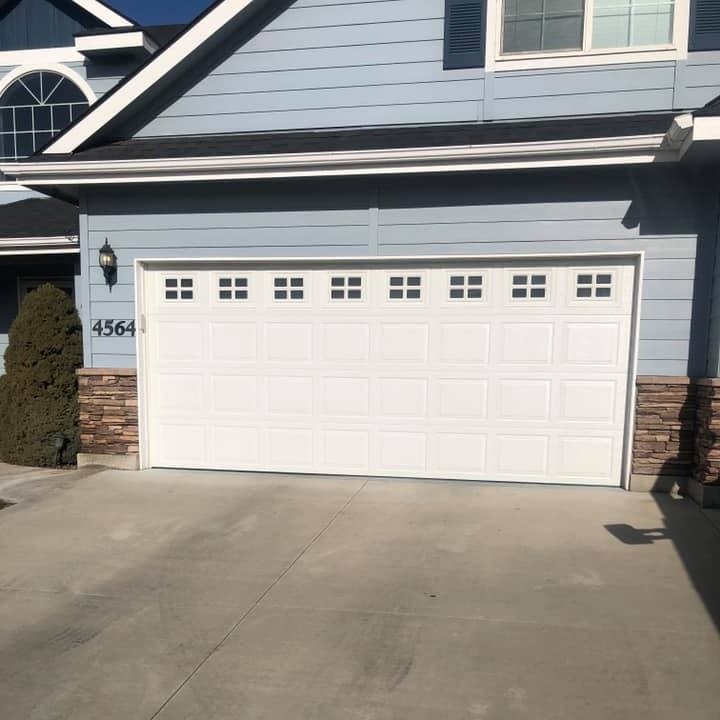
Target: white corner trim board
<point>566,153</point>
<point>161,64</point>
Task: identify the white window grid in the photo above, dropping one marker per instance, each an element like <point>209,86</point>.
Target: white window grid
<point>350,287</point>
<point>586,48</point>
<point>529,286</point>
<point>405,286</point>
<point>288,288</point>
<point>590,285</point>
<point>466,286</point>
<point>233,288</point>
<point>178,288</point>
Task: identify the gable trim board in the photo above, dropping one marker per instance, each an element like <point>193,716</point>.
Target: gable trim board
<point>131,41</point>
<point>160,65</point>
<point>104,13</point>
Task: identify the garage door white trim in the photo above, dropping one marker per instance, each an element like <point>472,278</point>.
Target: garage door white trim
<point>142,266</point>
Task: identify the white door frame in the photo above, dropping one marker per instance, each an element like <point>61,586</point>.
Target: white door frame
<point>143,265</point>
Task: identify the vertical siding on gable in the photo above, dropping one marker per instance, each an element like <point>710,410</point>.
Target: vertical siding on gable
<point>468,215</point>
<point>31,24</point>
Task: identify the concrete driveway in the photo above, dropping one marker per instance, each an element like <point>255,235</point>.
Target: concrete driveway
<point>180,595</point>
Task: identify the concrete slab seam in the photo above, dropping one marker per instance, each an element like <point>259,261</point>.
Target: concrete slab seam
<point>257,602</point>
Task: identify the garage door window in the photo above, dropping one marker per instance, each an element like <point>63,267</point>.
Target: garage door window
<point>289,288</point>
<point>405,287</point>
<point>232,288</point>
<point>594,285</point>
<point>346,287</point>
<point>177,288</point>
<point>532,287</point>
<point>466,287</point>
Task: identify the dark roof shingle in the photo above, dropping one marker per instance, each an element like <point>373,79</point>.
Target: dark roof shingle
<point>38,217</point>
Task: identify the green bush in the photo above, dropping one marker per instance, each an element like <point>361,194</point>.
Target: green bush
<point>38,394</point>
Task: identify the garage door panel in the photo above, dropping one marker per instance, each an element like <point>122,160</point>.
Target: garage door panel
<point>233,342</point>
<point>469,371</point>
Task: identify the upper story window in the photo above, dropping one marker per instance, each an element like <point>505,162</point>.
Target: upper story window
<point>35,108</point>
<point>548,26</point>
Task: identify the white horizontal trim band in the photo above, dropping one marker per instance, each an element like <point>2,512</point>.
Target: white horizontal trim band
<point>131,40</point>
<point>593,151</point>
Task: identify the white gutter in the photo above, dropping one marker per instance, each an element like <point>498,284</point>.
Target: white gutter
<point>40,245</point>
<point>465,158</point>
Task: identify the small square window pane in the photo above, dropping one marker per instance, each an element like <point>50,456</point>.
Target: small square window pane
<point>241,294</point>
<point>296,294</point>
<point>413,294</point>
<point>584,279</point>
<point>457,280</point>
<point>43,121</point>
<point>602,292</point>
<point>538,279</point>
<point>60,117</point>
<point>354,294</point>
<point>225,294</point>
<point>474,293</point>
<point>519,293</point>
<point>23,119</point>
<point>186,282</point>
<point>186,294</point>
<point>241,282</point>
<point>604,279</point>
<point>25,144</point>
<point>475,280</point>
<point>296,282</point>
<point>225,282</point>
<point>280,282</point>
<point>337,294</point>
<point>338,282</point>
<point>413,281</point>
<point>354,282</point>
<point>396,294</point>
<point>584,292</point>
<point>537,293</point>
<point>396,281</point>
<point>281,294</point>
<point>457,293</point>
<point>171,294</point>
<point>520,280</point>
<point>171,282</point>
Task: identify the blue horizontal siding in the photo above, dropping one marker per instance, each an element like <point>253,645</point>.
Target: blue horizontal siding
<point>698,80</point>
<point>416,217</point>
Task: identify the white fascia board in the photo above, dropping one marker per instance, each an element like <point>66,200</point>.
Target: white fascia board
<point>155,70</point>
<point>706,128</point>
<point>103,12</point>
<point>40,245</point>
<point>570,153</point>
<point>109,42</point>
<point>41,56</point>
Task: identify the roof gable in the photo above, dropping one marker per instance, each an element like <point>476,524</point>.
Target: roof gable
<point>211,28</point>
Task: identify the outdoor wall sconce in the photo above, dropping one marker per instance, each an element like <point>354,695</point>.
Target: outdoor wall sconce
<point>108,263</point>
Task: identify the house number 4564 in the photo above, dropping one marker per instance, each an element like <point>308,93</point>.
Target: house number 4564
<point>114,328</point>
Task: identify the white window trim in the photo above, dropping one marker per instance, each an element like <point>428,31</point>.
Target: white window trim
<point>66,72</point>
<point>494,60</point>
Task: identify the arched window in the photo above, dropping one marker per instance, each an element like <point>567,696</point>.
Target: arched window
<point>35,108</point>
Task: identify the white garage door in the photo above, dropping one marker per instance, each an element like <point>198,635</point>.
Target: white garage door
<point>479,371</point>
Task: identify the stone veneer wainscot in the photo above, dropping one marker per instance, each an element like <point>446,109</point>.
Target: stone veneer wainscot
<point>108,416</point>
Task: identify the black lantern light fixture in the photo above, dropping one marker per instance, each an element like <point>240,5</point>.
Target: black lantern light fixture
<point>108,263</point>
